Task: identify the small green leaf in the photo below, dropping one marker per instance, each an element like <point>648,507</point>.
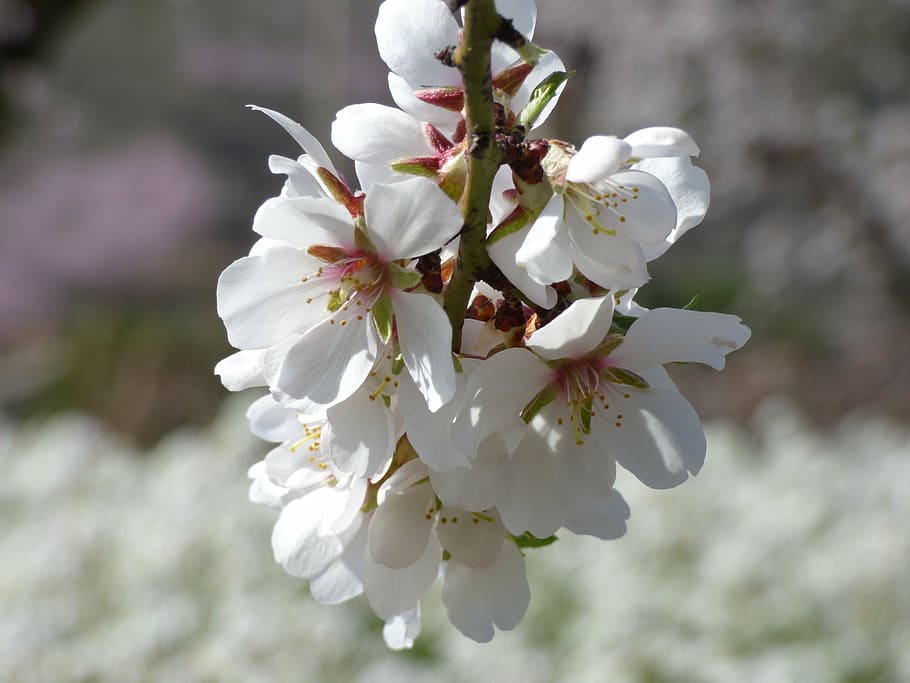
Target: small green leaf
<point>402,278</point>
<point>626,378</point>
<point>543,398</point>
<point>529,540</point>
<point>541,97</point>
<point>382,314</point>
<point>622,323</point>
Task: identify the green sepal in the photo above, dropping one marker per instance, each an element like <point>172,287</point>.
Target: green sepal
<point>540,98</point>
<point>361,237</point>
<point>402,278</point>
<point>456,361</point>
<point>513,223</point>
<point>383,314</point>
<point>414,167</point>
<point>626,378</point>
<point>608,345</point>
<point>397,365</point>
<point>543,398</point>
<point>584,416</point>
<point>387,400</point>
<point>529,540</point>
<point>446,555</point>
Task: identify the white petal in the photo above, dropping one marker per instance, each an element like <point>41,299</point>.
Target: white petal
<point>425,338</point>
<point>377,134</point>
<point>401,526</point>
<point>263,491</point>
<point>644,211</point>
<point>611,261</point>
<point>410,218</point>
<point>305,221</point>
<point>542,489</point>
<point>476,599</point>
<point>427,431</point>
<point>402,630</point>
<point>690,190</point>
<point>240,371</point>
<point>665,335</point>
<point>304,138</point>
<point>659,440</point>
<point>262,299</point>
<point>575,331</point>
<point>403,95</point>
<point>472,540</point>
<point>393,591</point>
<point>503,253</point>
<point>300,182</point>
<point>330,362</point>
<point>402,479</point>
<point>272,421</point>
<point>602,517</point>
<point>476,487</point>
<point>499,390</point>
<point>301,540</point>
<point>600,156</point>
<point>544,253</point>
<point>341,581</point>
<point>661,141</point>
<point>370,174</point>
<point>362,434</point>
<point>293,470</point>
<point>409,33</point>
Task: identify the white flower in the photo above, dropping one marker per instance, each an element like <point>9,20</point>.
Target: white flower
<point>580,399</point>
<point>323,304</point>
<point>604,214</point>
<point>485,581</point>
<point>410,32</point>
<point>318,534</point>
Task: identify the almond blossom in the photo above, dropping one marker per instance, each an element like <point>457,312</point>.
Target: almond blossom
<point>580,399</point>
<point>455,363</point>
<point>604,213</point>
<point>324,305</point>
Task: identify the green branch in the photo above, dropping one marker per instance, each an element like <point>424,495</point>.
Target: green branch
<point>472,58</point>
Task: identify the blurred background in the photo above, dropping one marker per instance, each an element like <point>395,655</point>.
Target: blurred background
<point>129,175</point>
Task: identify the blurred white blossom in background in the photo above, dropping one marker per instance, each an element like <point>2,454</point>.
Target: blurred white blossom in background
<point>785,560</point>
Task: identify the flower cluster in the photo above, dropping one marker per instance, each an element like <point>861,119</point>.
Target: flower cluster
<point>454,360</point>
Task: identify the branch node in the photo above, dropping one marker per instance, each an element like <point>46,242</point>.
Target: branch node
<point>446,55</point>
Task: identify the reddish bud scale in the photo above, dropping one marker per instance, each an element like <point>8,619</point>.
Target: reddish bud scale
<point>437,140</point>
<point>461,131</point>
<point>510,80</point>
<point>449,98</point>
